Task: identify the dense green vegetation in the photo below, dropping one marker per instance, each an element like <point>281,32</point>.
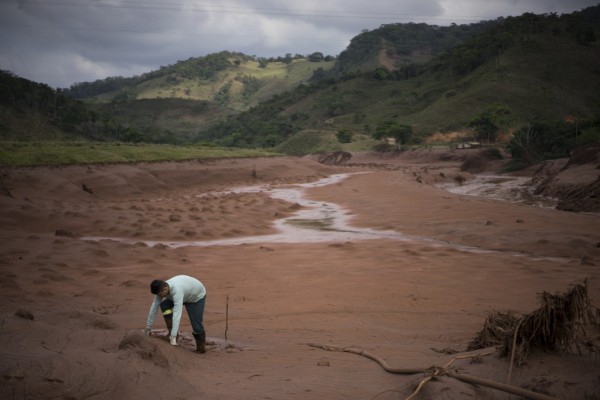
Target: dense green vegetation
<point>33,110</point>
<point>396,46</point>
<point>391,129</point>
<point>543,140</point>
<point>513,72</point>
<point>169,120</point>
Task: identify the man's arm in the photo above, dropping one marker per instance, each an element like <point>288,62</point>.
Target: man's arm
<point>177,311</point>
<point>152,314</point>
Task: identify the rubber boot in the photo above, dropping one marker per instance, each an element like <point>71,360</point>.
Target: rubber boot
<point>200,342</point>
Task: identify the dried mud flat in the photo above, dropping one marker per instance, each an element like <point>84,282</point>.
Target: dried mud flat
<point>72,309</point>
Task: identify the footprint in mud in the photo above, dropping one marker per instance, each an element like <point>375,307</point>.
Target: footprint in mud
<point>187,341</point>
<point>228,346</point>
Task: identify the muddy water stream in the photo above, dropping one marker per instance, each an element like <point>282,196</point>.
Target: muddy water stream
<point>512,189</point>
<point>318,221</point>
<point>315,221</point>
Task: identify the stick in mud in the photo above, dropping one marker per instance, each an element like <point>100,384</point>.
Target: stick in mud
<point>226,316</point>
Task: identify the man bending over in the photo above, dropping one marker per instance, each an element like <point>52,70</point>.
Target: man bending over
<point>171,295</point>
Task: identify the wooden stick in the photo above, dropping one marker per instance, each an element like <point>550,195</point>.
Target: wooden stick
<point>514,350</point>
<point>421,384</point>
<point>226,316</point>
<point>435,371</point>
<point>528,394</point>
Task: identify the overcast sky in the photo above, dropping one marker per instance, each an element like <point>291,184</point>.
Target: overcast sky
<point>60,42</point>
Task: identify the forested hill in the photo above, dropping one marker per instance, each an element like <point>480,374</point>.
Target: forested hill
<point>390,46</point>
<point>396,45</point>
<point>35,111</point>
<point>200,67</point>
<point>513,73</point>
<point>233,80</point>
<point>399,45</point>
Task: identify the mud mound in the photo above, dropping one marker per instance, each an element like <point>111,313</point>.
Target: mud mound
<point>140,345</point>
<point>585,155</point>
<point>574,182</point>
<point>482,160</point>
<point>584,199</point>
<point>335,158</point>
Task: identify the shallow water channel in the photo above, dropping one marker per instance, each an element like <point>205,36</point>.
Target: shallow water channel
<point>318,221</point>
<point>315,221</point>
<point>513,189</point>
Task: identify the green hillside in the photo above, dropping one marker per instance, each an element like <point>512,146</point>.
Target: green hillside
<point>399,45</point>
<point>537,67</point>
<point>34,111</point>
<point>170,120</point>
<point>231,80</point>
<point>178,100</point>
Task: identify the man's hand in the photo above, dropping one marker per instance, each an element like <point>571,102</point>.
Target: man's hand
<point>147,331</point>
<point>173,341</point>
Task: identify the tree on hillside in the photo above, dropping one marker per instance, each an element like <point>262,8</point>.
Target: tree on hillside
<point>263,62</point>
<point>542,140</point>
<point>344,135</point>
<point>586,36</point>
<point>316,57</point>
<point>490,121</point>
<point>382,74</point>
<point>402,133</point>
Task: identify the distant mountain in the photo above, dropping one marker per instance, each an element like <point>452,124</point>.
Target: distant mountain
<point>394,46</point>
<point>533,66</point>
<point>423,79</point>
<point>184,97</point>
<point>231,80</point>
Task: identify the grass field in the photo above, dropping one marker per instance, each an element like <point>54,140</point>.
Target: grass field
<point>22,154</point>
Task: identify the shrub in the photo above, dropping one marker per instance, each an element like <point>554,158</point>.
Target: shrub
<point>344,136</point>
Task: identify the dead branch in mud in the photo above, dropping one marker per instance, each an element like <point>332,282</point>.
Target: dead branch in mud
<point>436,372</point>
<point>373,357</point>
<point>563,323</point>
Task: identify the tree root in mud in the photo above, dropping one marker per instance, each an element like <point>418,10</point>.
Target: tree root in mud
<point>436,372</point>
<point>564,322</point>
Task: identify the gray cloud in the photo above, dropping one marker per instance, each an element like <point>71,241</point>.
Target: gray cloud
<point>60,42</point>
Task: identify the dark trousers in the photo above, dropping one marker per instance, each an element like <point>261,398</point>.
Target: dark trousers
<point>195,312</point>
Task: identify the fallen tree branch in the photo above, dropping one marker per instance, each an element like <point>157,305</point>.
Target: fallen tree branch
<point>373,357</point>
<point>528,394</point>
<point>440,371</point>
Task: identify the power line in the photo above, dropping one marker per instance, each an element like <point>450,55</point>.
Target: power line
<point>68,28</point>
<point>208,8</point>
<point>195,7</point>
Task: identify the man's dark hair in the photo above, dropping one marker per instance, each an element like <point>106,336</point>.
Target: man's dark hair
<point>157,285</point>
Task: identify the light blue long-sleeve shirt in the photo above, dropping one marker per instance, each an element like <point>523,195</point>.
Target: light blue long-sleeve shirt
<point>182,289</point>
